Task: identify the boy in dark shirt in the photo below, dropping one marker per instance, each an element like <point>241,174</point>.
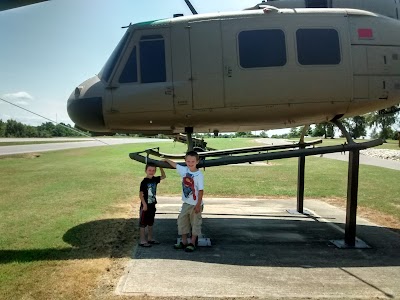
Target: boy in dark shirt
<point>147,195</point>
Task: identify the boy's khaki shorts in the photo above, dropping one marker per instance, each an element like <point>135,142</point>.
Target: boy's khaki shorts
<point>189,221</point>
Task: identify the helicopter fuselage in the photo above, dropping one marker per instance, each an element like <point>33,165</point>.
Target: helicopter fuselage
<point>242,71</point>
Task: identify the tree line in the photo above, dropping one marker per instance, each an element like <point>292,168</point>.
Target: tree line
<point>380,122</point>
<point>12,128</point>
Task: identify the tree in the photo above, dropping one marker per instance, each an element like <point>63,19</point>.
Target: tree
<point>384,120</point>
<point>263,134</point>
<point>240,134</point>
<point>14,129</point>
<point>356,126</point>
<point>31,131</point>
<point>2,128</point>
<point>324,129</point>
<point>295,132</point>
<point>46,129</point>
<point>319,130</point>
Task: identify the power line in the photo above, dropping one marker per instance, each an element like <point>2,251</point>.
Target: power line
<point>70,128</point>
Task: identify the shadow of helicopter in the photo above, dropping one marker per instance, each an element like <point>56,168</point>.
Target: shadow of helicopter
<point>236,241</point>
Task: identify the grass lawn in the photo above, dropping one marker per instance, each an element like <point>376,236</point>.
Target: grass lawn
<point>67,217</point>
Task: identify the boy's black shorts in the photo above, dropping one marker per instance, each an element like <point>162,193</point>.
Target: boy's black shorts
<point>146,218</point>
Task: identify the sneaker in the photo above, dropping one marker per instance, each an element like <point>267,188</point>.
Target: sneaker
<point>179,246</point>
<point>190,248</point>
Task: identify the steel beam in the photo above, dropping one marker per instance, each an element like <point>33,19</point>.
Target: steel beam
<point>244,150</point>
<point>230,160</point>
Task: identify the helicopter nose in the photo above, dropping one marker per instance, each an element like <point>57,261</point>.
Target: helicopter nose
<point>85,106</point>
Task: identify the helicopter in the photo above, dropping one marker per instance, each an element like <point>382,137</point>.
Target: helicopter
<point>260,68</point>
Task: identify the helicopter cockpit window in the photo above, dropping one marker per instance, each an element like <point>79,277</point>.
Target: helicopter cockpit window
<point>152,59</point>
<point>106,72</point>
<point>318,46</point>
<point>262,48</point>
<point>129,74</point>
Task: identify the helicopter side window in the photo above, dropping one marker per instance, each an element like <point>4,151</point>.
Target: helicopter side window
<point>152,59</point>
<point>318,46</point>
<point>129,74</point>
<point>262,48</point>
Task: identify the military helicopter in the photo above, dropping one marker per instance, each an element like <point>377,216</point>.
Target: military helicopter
<point>278,64</point>
<point>255,69</point>
<point>265,67</point>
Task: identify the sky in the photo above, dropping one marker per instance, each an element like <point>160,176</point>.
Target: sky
<point>49,48</point>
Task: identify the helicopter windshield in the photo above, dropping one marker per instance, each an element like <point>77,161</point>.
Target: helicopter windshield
<point>106,71</point>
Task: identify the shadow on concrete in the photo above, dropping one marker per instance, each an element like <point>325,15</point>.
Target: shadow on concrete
<point>236,241</point>
<point>282,243</point>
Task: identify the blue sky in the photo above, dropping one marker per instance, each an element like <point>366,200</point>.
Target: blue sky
<point>49,48</point>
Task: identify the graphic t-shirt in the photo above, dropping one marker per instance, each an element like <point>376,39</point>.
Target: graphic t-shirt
<point>149,188</point>
<point>192,183</point>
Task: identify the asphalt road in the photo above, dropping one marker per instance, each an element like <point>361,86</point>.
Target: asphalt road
<point>83,143</point>
<point>364,159</point>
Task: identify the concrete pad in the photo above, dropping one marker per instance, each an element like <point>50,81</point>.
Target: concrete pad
<point>260,250</point>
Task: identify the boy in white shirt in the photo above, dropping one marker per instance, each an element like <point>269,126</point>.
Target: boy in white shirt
<point>189,219</point>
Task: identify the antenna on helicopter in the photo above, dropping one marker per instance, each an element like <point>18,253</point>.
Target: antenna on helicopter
<point>191,7</point>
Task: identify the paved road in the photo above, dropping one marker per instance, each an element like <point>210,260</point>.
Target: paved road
<point>260,250</point>
<point>364,159</point>
<point>18,149</point>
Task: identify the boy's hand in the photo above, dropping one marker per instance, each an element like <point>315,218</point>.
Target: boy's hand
<point>145,207</point>
<point>163,176</point>
<point>197,208</point>
<point>170,162</point>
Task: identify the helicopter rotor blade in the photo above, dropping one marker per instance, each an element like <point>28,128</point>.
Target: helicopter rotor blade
<point>191,7</point>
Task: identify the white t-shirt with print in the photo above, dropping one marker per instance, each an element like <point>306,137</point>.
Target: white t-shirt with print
<point>192,183</point>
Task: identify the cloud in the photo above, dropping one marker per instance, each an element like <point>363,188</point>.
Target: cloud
<point>20,98</point>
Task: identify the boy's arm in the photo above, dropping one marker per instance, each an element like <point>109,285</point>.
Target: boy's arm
<point>171,162</point>
<point>197,208</point>
<point>163,176</point>
<point>144,204</point>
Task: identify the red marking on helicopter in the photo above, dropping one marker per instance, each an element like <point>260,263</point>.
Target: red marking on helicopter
<point>365,33</point>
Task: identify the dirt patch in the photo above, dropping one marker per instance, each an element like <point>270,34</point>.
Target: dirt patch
<point>101,250</point>
<point>23,155</point>
<point>374,216</point>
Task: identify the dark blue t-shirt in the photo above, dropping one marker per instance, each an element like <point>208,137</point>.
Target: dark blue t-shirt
<point>149,188</point>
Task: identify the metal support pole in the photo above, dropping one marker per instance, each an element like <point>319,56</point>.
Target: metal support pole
<point>189,131</point>
<point>300,172</point>
<point>300,183</point>
<point>352,195</point>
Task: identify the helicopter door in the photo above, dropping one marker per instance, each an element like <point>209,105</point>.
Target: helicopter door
<point>206,60</point>
<point>145,80</point>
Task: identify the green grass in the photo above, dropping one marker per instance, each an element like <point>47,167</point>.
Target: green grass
<point>42,199</point>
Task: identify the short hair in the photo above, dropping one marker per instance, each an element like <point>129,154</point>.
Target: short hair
<point>150,164</point>
<point>192,153</point>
